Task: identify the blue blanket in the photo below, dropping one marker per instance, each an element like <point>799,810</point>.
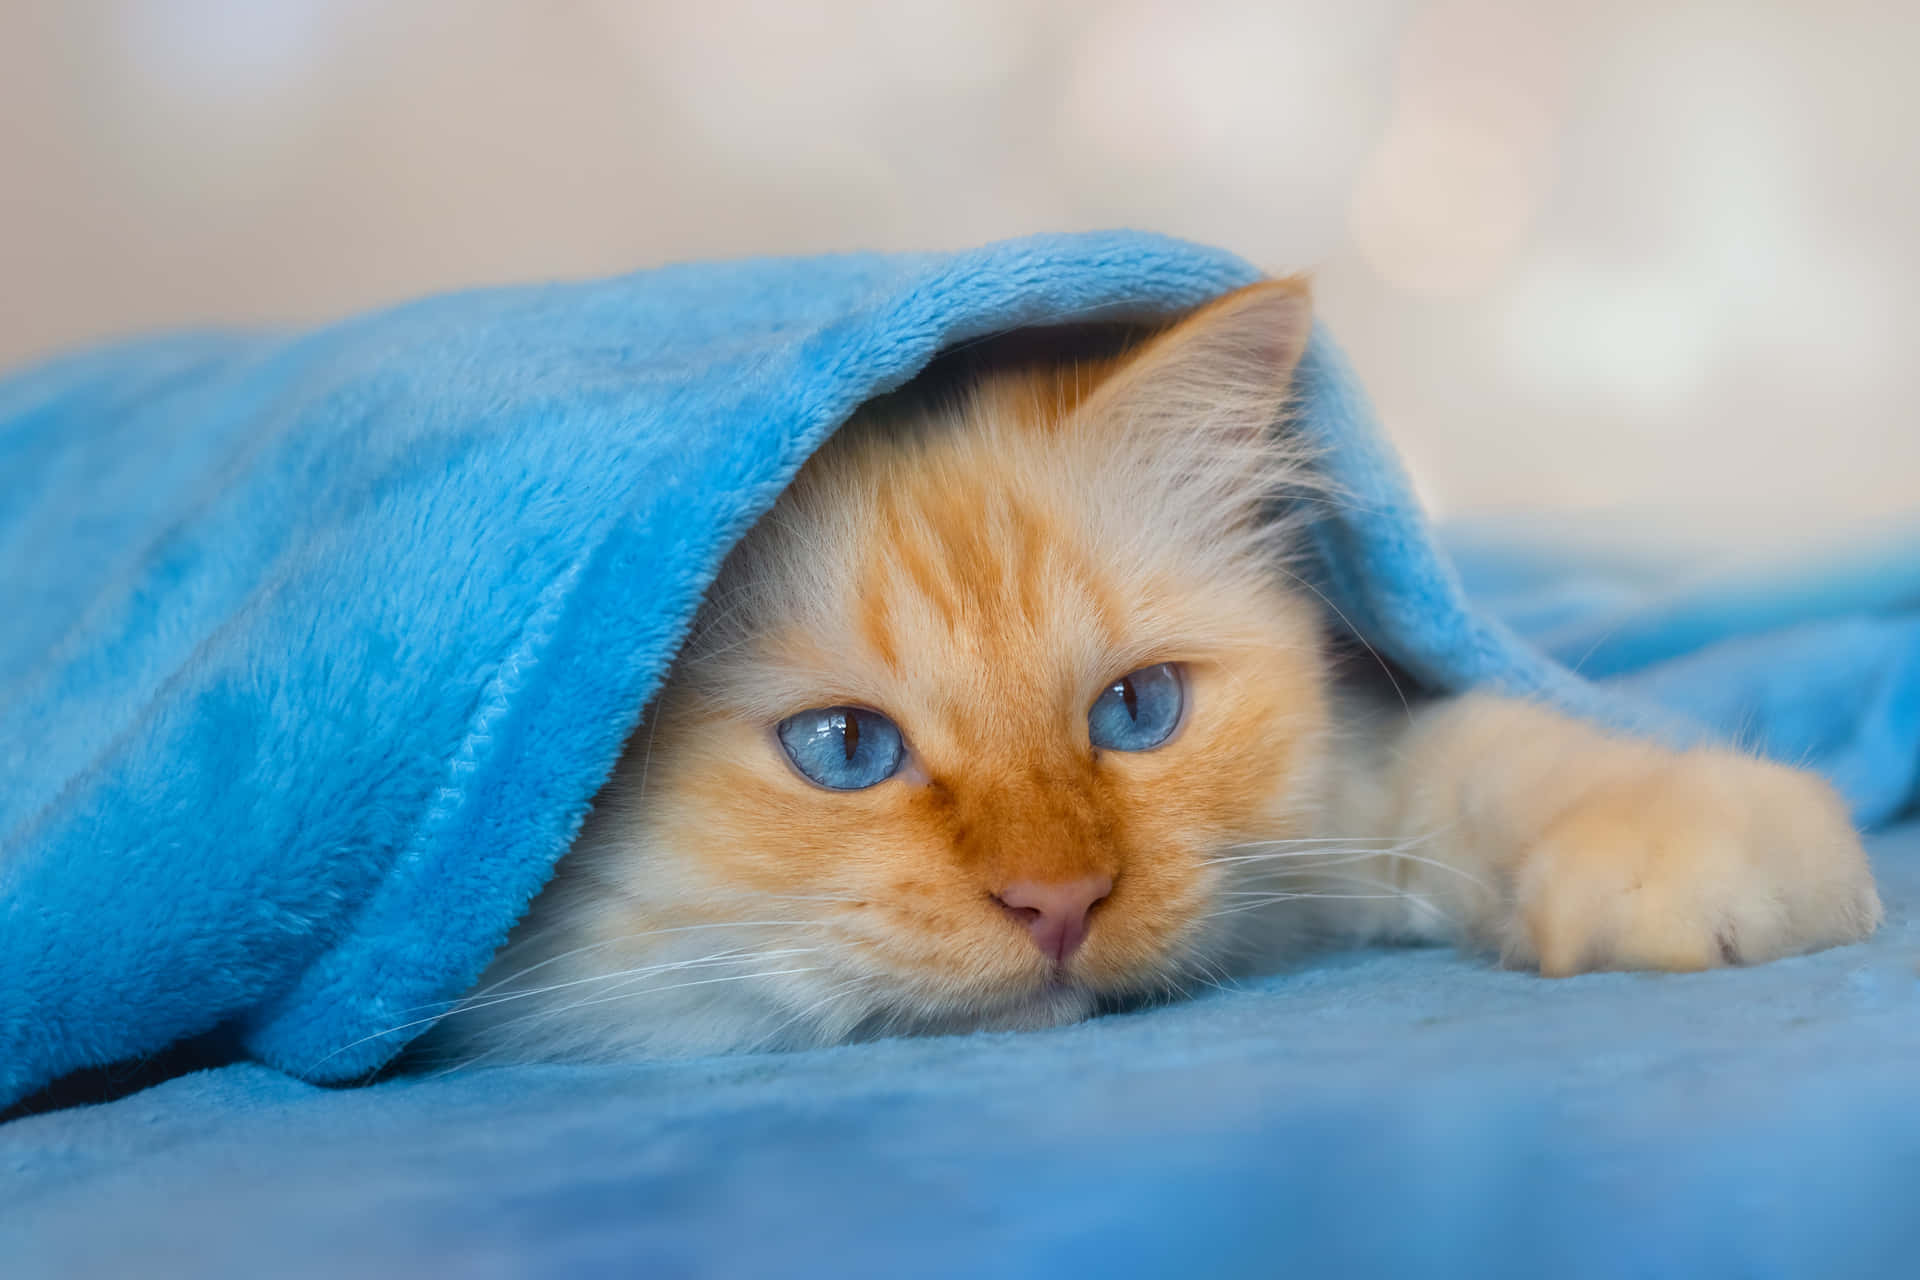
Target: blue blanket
<point>318,645</point>
<point>1392,1114</point>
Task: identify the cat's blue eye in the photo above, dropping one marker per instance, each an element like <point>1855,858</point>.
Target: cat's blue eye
<point>843,748</point>
<point>1139,711</point>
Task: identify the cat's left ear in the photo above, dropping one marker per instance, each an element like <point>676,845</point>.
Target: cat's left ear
<point>1228,366</point>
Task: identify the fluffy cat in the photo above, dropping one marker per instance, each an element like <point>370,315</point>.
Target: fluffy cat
<point>1011,711</point>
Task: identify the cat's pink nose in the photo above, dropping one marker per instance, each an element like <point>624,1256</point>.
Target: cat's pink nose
<point>1055,912</point>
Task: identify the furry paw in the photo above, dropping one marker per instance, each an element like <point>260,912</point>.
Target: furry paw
<point>1693,861</point>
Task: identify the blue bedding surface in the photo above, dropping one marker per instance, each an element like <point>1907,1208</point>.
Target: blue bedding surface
<point>1380,1112</point>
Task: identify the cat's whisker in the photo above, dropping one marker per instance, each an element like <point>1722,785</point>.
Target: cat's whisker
<point>1402,852</point>
<point>1287,878</point>
<point>646,760</point>
<point>525,1023</point>
<point>1327,856</point>
<point>471,1005</point>
<point>1206,970</point>
<point>813,1007</point>
<point>1308,872</point>
<point>622,980</point>
<point>1275,898</point>
<point>562,1010</point>
<point>1356,842</point>
<point>1291,841</point>
<point>1303,882</point>
<point>618,940</point>
<point>1306,864</point>
<point>1406,707</point>
<point>614,975</point>
<point>1309,843</point>
<point>1287,895</point>
<point>1236,911</point>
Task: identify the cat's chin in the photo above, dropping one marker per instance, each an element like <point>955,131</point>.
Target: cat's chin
<point>1053,1004</point>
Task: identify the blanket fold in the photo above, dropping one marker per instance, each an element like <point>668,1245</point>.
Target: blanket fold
<point>318,645</point>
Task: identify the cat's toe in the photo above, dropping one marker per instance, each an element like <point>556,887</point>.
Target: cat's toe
<point>1714,859</point>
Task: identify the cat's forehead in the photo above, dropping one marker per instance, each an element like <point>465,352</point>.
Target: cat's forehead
<point>974,590</point>
<point>1024,541</point>
<point>949,585</point>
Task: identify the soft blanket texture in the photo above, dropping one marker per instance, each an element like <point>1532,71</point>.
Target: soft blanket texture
<point>319,645</point>
<point>1390,1114</point>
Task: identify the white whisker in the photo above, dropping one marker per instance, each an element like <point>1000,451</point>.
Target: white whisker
<point>674,986</point>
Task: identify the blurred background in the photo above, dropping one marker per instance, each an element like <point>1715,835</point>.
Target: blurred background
<point>1641,257</point>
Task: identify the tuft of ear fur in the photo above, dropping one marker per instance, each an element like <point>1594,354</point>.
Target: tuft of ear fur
<point>1192,423</point>
<point>1229,364</point>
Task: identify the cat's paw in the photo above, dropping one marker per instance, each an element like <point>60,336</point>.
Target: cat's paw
<point>1700,860</point>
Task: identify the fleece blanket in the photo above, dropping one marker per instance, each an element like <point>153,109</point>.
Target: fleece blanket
<point>319,644</point>
<point>1388,1113</point>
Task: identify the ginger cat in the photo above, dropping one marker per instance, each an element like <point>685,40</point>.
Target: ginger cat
<point>1010,711</point>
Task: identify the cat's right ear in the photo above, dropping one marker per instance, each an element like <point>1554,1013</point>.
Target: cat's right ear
<point>1229,366</point>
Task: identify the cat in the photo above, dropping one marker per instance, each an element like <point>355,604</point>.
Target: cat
<point>1012,711</point>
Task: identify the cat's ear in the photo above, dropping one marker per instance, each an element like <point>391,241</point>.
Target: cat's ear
<point>1228,366</point>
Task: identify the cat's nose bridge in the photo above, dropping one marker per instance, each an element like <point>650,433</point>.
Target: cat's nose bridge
<point>1055,912</point>
<point>1041,827</point>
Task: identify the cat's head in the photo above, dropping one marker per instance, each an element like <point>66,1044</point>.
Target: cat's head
<point>974,721</point>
